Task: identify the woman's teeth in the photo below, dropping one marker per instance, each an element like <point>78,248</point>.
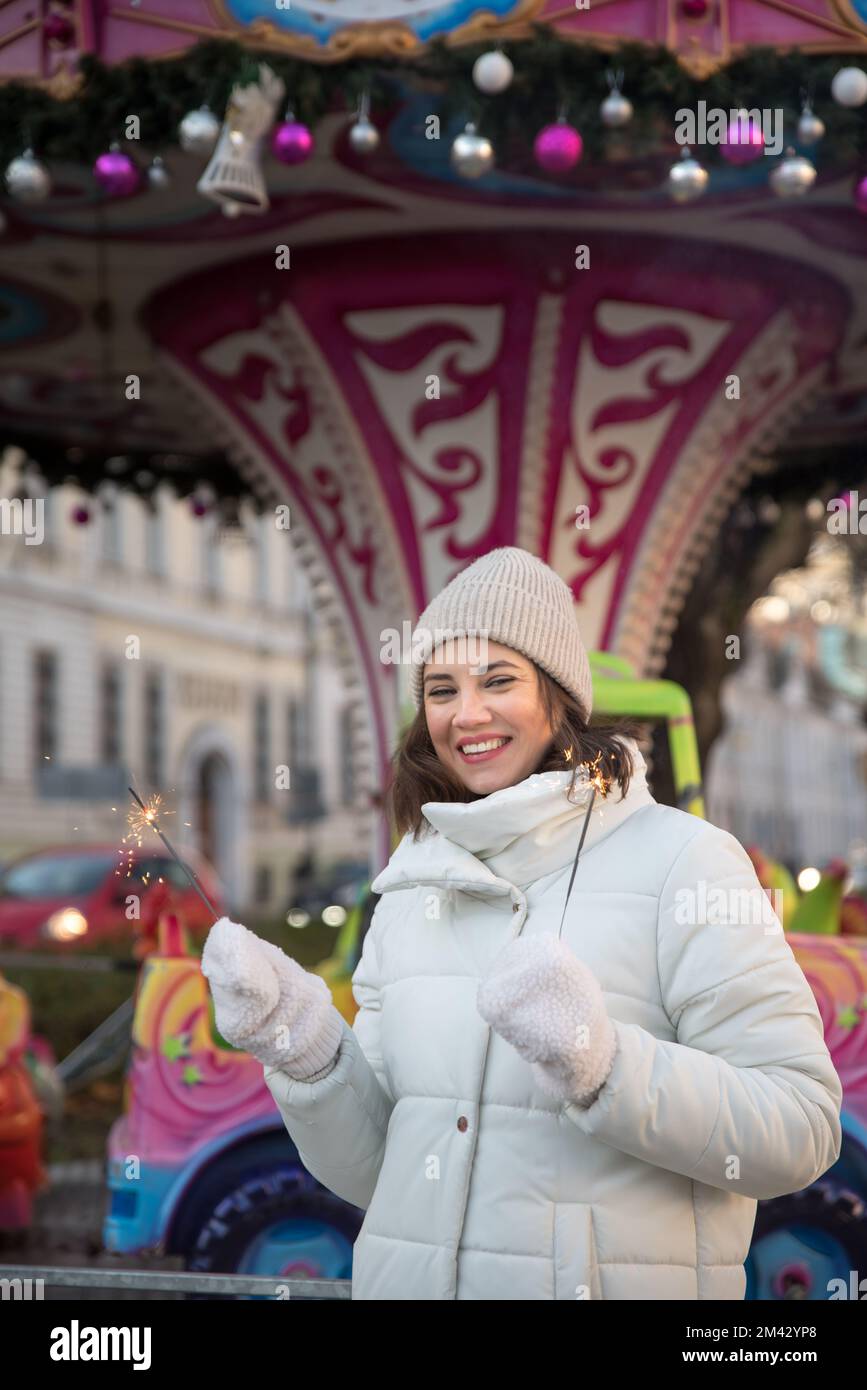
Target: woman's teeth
<point>483,747</point>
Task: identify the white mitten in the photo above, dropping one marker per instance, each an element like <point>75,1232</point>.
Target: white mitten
<point>549,1005</point>
<point>269,1005</point>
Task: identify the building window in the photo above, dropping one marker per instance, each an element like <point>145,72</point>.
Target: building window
<point>212,571</point>
<point>262,883</point>
<point>262,750</point>
<point>49,516</point>
<point>295,735</point>
<point>263,527</point>
<point>154,728</point>
<point>112,537</point>
<point>110,743</point>
<point>778,667</point>
<point>155,550</point>
<point>347,765</point>
<point>45,706</point>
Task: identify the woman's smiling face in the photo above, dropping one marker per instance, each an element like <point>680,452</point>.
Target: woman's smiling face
<point>494,710</point>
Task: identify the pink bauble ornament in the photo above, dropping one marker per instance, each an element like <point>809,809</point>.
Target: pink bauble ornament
<point>115,172</point>
<point>861,195</point>
<point>81,515</point>
<point>59,29</point>
<point>198,506</point>
<point>557,147</point>
<point>745,141</point>
<point>291,142</point>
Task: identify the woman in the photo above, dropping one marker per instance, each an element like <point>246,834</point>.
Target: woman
<point>527,1113</point>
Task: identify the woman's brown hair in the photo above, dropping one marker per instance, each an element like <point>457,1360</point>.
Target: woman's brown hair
<point>419,776</point>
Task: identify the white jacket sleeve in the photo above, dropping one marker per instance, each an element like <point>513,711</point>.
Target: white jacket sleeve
<point>747,1099</point>
<point>339,1123</point>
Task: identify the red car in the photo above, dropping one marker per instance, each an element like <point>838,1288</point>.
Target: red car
<point>74,893</point>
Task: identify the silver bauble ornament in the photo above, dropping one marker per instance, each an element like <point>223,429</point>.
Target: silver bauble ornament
<point>363,136</point>
<point>471,154</point>
<point>199,131</point>
<point>27,179</point>
<point>493,72</point>
<point>810,128</point>
<point>794,177</point>
<point>849,87</point>
<point>687,179</point>
<point>158,175</point>
<point>616,110</point>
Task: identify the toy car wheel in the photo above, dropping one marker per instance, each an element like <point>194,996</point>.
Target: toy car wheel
<point>805,1240</point>
<point>269,1226</point>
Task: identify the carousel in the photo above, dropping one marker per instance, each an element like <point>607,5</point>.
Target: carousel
<point>439,278</point>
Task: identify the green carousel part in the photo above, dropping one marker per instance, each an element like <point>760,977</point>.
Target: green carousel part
<point>652,700</point>
<point>607,663</point>
<point>818,910</point>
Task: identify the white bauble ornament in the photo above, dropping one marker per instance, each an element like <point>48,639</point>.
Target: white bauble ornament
<point>616,110</point>
<point>363,136</point>
<point>849,87</point>
<point>794,177</point>
<point>687,179</point>
<point>27,179</point>
<point>199,131</point>
<point>471,155</point>
<point>493,72</point>
<point>157,174</point>
<point>810,127</point>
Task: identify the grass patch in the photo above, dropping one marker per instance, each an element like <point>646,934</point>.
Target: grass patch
<point>66,1007</point>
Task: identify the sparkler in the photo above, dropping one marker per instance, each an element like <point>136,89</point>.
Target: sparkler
<point>598,782</point>
<point>147,817</point>
<point>596,777</point>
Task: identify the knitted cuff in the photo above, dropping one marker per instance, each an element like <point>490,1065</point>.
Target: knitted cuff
<point>580,1081</point>
<point>325,1071</point>
<point>320,1055</point>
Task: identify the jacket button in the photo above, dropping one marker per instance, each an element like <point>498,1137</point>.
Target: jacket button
<point>516,907</point>
<point>462,1123</point>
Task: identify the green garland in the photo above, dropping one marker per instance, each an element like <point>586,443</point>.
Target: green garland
<point>549,70</point>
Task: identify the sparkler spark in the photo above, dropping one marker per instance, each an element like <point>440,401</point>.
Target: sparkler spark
<point>145,816</point>
<point>596,777</point>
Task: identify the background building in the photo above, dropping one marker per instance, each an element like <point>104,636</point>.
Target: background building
<point>157,646</point>
<point>789,772</point>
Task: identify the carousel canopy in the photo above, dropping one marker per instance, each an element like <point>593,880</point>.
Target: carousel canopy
<point>363,283</point>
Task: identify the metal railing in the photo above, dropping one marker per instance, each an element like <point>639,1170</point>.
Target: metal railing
<point>106,1047</point>
<point>93,965</point>
<point>170,1281</point>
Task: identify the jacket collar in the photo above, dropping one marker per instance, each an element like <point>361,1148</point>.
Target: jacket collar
<point>507,840</point>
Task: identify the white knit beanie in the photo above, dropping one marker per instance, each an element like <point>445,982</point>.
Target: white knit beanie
<point>513,597</point>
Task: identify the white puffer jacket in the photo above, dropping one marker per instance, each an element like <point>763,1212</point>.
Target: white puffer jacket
<point>479,1185</point>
